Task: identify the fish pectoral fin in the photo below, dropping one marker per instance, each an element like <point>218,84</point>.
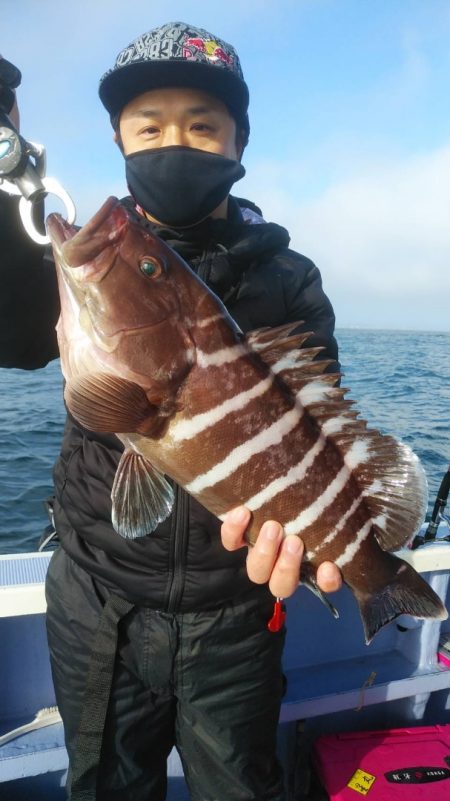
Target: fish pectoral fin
<point>106,402</point>
<point>308,579</point>
<point>141,496</point>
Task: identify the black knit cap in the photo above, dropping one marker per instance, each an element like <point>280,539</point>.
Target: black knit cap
<point>177,54</point>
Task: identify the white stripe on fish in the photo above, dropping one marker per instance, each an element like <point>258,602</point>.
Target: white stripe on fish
<point>243,453</point>
<point>309,515</point>
<point>290,361</point>
<point>353,547</point>
<point>374,487</point>
<point>335,424</point>
<point>187,429</point>
<point>220,357</point>
<point>338,528</point>
<point>357,454</point>
<point>295,475</point>
<point>314,392</point>
<point>209,321</point>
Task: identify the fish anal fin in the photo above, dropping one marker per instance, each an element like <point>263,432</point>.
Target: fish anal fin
<point>407,593</point>
<point>141,496</point>
<point>106,402</point>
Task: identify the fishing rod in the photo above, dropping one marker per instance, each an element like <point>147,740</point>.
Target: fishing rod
<point>437,515</point>
<point>23,163</point>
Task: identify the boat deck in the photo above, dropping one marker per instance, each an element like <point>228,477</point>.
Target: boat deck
<point>334,681</point>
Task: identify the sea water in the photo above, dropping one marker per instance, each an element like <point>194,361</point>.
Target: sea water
<point>400,380</point>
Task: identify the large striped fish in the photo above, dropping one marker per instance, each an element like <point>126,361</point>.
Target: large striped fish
<point>150,353</point>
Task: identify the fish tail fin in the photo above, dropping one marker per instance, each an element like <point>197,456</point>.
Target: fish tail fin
<point>406,593</point>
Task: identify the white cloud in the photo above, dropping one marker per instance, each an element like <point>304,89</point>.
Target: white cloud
<point>381,238</point>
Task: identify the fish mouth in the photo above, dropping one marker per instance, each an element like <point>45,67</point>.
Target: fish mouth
<point>78,247</point>
<point>59,229</point>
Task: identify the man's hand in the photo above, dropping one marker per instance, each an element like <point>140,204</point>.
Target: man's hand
<point>274,558</point>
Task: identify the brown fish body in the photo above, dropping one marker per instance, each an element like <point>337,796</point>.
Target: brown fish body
<point>149,353</point>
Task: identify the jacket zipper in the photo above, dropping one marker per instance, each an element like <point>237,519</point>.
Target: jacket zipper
<point>179,541</point>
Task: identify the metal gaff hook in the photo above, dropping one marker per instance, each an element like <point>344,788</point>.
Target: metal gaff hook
<point>22,172</point>
<point>53,187</point>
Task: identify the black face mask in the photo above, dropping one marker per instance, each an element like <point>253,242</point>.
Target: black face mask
<point>180,186</point>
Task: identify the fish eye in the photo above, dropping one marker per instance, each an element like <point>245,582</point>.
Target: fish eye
<point>150,267</point>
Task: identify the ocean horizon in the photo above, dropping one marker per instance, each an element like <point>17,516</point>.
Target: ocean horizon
<point>399,378</point>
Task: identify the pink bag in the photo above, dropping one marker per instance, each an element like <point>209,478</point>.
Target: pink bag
<point>393,765</point>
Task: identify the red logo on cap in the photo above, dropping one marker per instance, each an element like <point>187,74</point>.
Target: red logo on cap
<point>209,47</point>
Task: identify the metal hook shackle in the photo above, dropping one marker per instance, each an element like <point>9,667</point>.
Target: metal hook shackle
<point>52,187</point>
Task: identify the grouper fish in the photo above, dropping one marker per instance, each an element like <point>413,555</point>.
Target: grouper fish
<point>149,353</point>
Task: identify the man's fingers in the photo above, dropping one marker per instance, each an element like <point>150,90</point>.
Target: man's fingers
<point>329,577</point>
<point>262,557</point>
<point>233,528</point>
<point>274,559</point>
<point>286,572</point>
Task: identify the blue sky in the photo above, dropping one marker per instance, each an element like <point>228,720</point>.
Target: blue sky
<point>350,129</point>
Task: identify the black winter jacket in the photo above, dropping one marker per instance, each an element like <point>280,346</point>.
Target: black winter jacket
<point>182,566</point>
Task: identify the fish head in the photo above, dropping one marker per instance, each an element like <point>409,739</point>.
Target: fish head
<point>128,301</point>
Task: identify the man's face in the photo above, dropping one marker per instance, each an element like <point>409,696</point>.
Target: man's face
<point>178,116</point>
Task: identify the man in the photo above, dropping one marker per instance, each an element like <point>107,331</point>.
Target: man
<point>194,664</point>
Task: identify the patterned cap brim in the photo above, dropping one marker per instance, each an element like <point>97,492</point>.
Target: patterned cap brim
<point>121,85</point>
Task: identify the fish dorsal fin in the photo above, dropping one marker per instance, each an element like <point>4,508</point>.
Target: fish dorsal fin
<point>106,402</point>
<point>396,490</point>
<point>389,475</point>
<point>262,338</point>
<point>281,348</point>
<point>141,496</point>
